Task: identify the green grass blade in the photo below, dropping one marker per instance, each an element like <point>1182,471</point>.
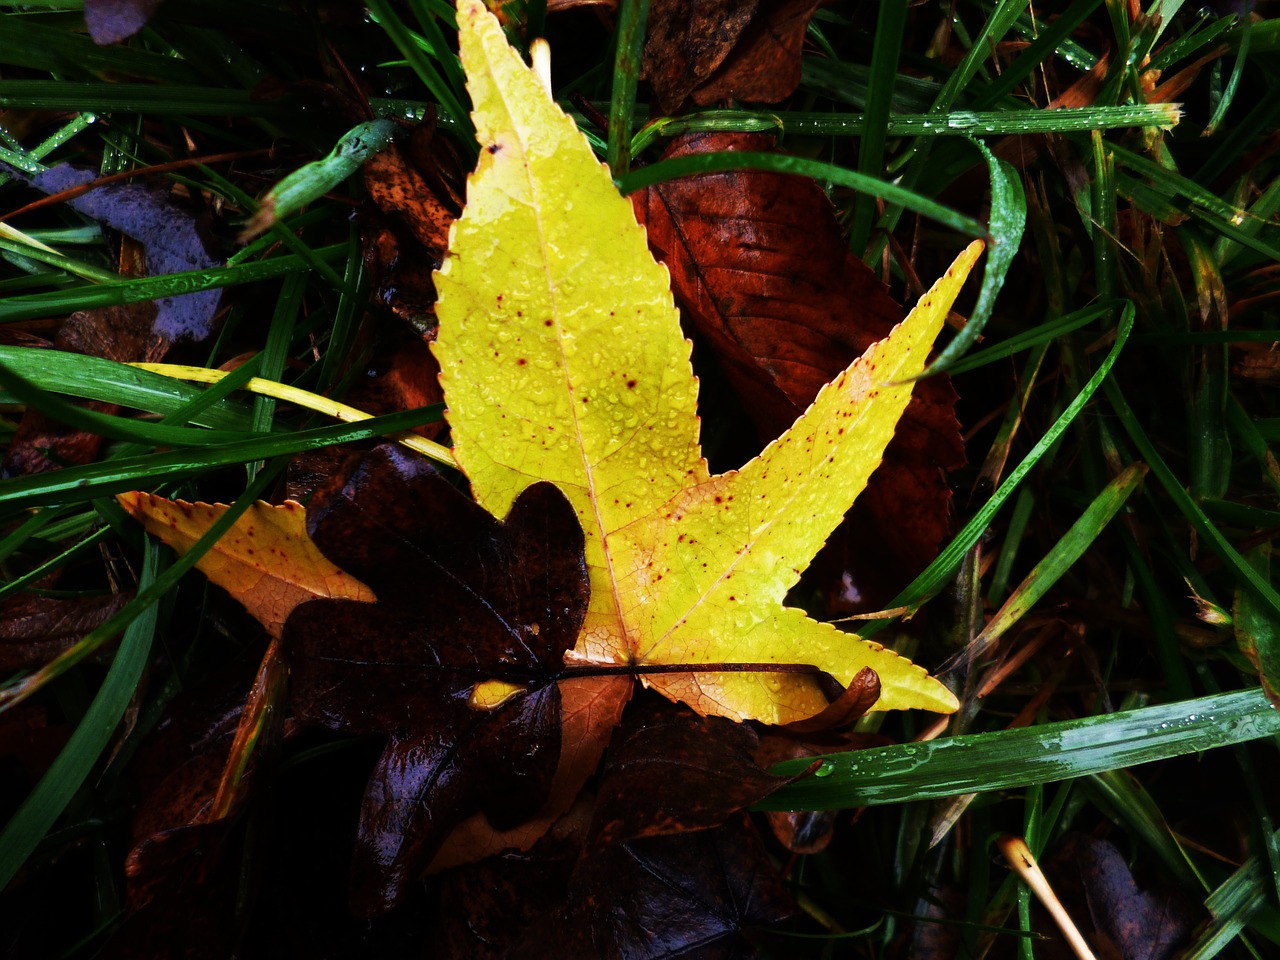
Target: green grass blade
<point>424,68</point>
<point>1210,535</point>
<point>107,425</point>
<point>1062,557</point>
<point>804,167</point>
<point>312,181</point>
<point>68,772</point>
<point>93,378</point>
<point>945,564</point>
<point>151,288</point>
<point>632,17</point>
<point>75,484</point>
<point>1012,759</point>
<point>890,25</point>
<point>1008,220</point>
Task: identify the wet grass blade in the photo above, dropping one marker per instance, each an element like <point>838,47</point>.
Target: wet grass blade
<point>1012,759</point>
<point>801,166</point>
<point>1062,557</point>
<point>949,560</point>
<point>77,484</point>
<point>68,772</point>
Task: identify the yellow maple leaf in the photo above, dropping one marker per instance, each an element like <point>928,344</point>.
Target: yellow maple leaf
<point>562,359</point>
<point>266,560</point>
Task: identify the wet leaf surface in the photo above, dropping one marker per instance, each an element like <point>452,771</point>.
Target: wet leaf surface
<point>764,66</point>
<point>1117,916</point>
<point>266,561</point>
<point>464,600</point>
<point>670,771</point>
<point>692,896</point>
<point>687,41</point>
<point>765,279</point>
<point>544,381</point>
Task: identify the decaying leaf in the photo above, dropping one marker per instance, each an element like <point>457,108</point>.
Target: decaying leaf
<point>1118,917</point>
<point>764,66</point>
<point>687,40</point>
<point>725,50</point>
<point>34,629</point>
<point>544,381</point>
<point>266,561</point>
<point>110,21</point>
<point>670,771</point>
<point>168,233</point>
<point>464,601</point>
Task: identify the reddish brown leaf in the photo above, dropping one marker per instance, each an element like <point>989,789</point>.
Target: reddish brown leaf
<point>764,66</point>
<point>412,187</point>
<point>464,599</point>
<point>765,279</point>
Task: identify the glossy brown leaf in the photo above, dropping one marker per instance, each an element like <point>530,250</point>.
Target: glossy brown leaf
<point>694,896</point>
<point>691,896</point>
<point>766,280</point>
<point>670,771</point>
<point>463,600</point>
<point>412,187</point>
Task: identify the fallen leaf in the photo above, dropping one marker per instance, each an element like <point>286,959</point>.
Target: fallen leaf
<point>687,40</point>
<point>695,895</point>
<point>168,233</point>
<point>562,360</point>
<point>1117,916</point>
<point>764,66</point>
<point>464,601</point>
<point>670,771</point>
<point>266,561</point>
<point>35,629</point>
<point>110,21</point>
<point>765,278</point>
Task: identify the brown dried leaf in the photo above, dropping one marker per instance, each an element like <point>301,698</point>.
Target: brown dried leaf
<point>764,66</point>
